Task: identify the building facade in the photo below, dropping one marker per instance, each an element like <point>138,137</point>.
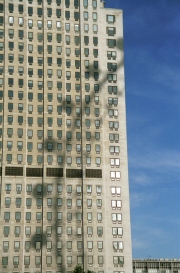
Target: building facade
<point>156,266</point>
<point>63,146</point>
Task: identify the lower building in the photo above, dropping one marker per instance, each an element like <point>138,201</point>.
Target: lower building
<point>156,266</point>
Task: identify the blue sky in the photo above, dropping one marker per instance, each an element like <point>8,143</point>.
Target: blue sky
<point>152,72</point>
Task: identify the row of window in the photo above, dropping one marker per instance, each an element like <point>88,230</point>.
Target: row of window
<point>59,215</point>
<point>51,24</point>
<point>116,231</point>
<point>117,260</point>
<point>59,189</point>
<point>69,245</point>
<point>50,158</point>
<point>58,60</point>
<point>58,85</point>
<point>110,78</point>
<point>59,230</point>
<point>50,146</point>
<point>115,204</point>
<point>40,134</point>
<point>49,2</point>
<point>40,121</point>
<point>113,149</point>
<point>59,110</point>
<point>49,72</point>
<point>49,215</point>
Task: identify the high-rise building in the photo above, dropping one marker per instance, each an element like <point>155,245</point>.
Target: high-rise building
<point>63,145</point>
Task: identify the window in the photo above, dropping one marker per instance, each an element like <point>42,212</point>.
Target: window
<point>11,21</point>
<point>97,136</point>
<point>7,216</point>
<point>112,77</point>
<point>87,75</point>
<point>59,49</point>
<point>89,202</point>
<point>89,189</point>
<point>38,231</point>
<point>111,54</point>
<point>116,204</point>
<point>67,15</point>
<point>100,245</point>
<point>100,260</point>
<point>28,203</point>
<point>94,3</point>
<point>19,158</point>
<point>117,231</point>
<point>4,261</point>
<point>116,190</point>
<point>11,46</point>
<point>112,66</point>
<point>111,31</point>
<point>89,216</point>
<point>79,230</point>
<point>29,189</point>
<point>110,18</point>
<point>49,188</point>
<point>98,190</point>
<point>95,53</point>
<point>5,246</point>
<point>116,217</point>
<point>11,7</point>
<point>30,11</point>
<point>88,148</point>
<point>76,27</point>
<point>69,230</point>
<point>69,245</point>
<point>117,246</point>
<point>99,231</point>
<point>114,125</point>
<point>19,188</point>
<point>6,231</point>
<point>58,38</point>
<point>118,260</point>
<point>38,216</point>
<point>49,202</point>
<point>114,162</point>
<point>30,36</point>
<point>7,201</point>
<point>99,202</point>
<point>58,25</point>
<point>94,16</point>
<point>58,13</point>
<point>26,260</point>
<point>111,42</point>
<point>115,175</point>
<point>59,202</point>
<point>49,216</point>
<point>95,41</point>
<point>48,230</point>
<point>86,16</point>
<point>10,81</point>
<point>90,245</point>
<point>79,202</point>
<point>49,24</point>
<point>86,52</point>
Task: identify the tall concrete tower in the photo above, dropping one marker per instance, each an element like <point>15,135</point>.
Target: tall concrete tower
<point>63,144</point>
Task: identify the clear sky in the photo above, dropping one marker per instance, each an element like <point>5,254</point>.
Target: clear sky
<point>152,72</point>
